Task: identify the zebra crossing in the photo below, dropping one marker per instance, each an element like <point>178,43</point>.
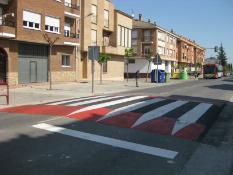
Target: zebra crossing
<point>159,115</point>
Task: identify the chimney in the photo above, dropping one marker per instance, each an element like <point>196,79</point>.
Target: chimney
<point>148,20</point>
<point>155,23</point>
<point>140,17</point>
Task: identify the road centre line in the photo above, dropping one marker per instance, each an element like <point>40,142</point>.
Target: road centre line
<point>154,151</point>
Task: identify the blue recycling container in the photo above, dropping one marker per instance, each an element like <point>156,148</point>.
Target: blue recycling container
<point>162,76</point>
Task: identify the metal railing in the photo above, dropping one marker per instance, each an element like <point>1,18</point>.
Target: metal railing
<point>71,35</point>
<point>8,23</point>
<point>73,6</point>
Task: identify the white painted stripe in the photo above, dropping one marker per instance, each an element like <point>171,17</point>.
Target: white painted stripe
<point>158,112</point>
<point>191,117</point>
<point>130,108</point>
<point>154,151</point>
<point>78,100</point>
<point>106,104</point>
<point>94,101</point>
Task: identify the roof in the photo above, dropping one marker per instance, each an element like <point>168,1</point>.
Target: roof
<point>137,24</point>
<point>123,13</point>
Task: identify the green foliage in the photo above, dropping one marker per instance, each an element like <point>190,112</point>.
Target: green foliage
<point>222,56</point>
<point>198,65</point>
<point>103,58</point>
<point>182,65</point>
<point>129,52</point>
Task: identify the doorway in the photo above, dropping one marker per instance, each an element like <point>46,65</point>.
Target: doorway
<point>3,66</point>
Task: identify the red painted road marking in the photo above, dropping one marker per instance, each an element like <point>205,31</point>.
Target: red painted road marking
<point>91,115</point>
<point>42,110</point>
<point>125,120</point>
<point>162,125</point>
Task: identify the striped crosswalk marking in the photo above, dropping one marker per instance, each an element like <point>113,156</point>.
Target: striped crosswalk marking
<point>191,117</point>
<point>130,108</point>
<point>76,100</point>
<point>158,112</point>
<point>94,101</point>
<point>102,105</point>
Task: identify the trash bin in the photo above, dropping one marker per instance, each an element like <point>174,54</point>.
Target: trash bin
<point>168,77</point>
<point>162,76</point>
<point>183,75</point>
<point>153,76</point>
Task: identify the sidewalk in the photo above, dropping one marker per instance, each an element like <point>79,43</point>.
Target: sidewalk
<point>39,93</point>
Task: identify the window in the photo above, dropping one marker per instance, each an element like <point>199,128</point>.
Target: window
<point>124,36</point>
<point>94,14</point>
<point>65,60</point>
<point>105,67</point>
<point>67,3</point>
<point>147,50</point>
<point>135,34</point>
<point>1,16</point>
<point>161,36</point>
<point>67,29</point>
<point>161,50</point>
<point>131,61</point>
<point>31,20</point>
<point>52,24</point>
<point>106,18</point>
<point>147,36</point>
<point>93,37</point>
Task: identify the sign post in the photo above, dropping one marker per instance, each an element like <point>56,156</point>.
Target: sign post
<point>93,54</point>
<point>157,61</point>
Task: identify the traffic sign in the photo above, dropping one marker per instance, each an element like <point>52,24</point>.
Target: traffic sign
<point>93,52</point>
<point>157,60</point>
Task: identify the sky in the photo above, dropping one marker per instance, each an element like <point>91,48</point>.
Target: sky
<point>208,22</point>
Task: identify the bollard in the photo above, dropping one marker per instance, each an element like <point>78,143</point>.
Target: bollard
<point>2,83</point>
<point>137,76</point>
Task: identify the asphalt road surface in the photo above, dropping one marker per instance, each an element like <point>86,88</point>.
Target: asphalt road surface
<point>150,131</point>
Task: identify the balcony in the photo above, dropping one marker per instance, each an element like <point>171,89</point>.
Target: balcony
<point>7,29</point>
<point>71,39</point>
<point>72,10</point>
<point>113,50</point>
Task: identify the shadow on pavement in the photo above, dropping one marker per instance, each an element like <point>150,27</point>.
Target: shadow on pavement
<point>227,87</point>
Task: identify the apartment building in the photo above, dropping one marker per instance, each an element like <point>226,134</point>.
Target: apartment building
<point>104,26</point>
<point>149,38</point>
<point>189,53</point>
<point>24,51</point>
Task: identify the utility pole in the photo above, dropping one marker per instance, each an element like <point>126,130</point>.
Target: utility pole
<point>51,43</point>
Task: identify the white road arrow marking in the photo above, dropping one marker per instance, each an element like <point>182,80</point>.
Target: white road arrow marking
<point>106,104</point>
<point>191,117</point>
<point>154,151</point>
<point>130,108</point>
<point>158,112</point>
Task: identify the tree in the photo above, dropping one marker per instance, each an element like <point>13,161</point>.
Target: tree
<point>128,53</point>
<point>149,59</point>
<point>101,60</point>
<point>51,43</point>
<point>222,56</point>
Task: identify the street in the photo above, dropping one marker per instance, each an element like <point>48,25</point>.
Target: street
<point>163,130</point>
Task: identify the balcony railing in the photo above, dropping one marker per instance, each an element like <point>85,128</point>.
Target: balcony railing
<point>6,23</point>
<point>74,6</point>
<point>71,35</point>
